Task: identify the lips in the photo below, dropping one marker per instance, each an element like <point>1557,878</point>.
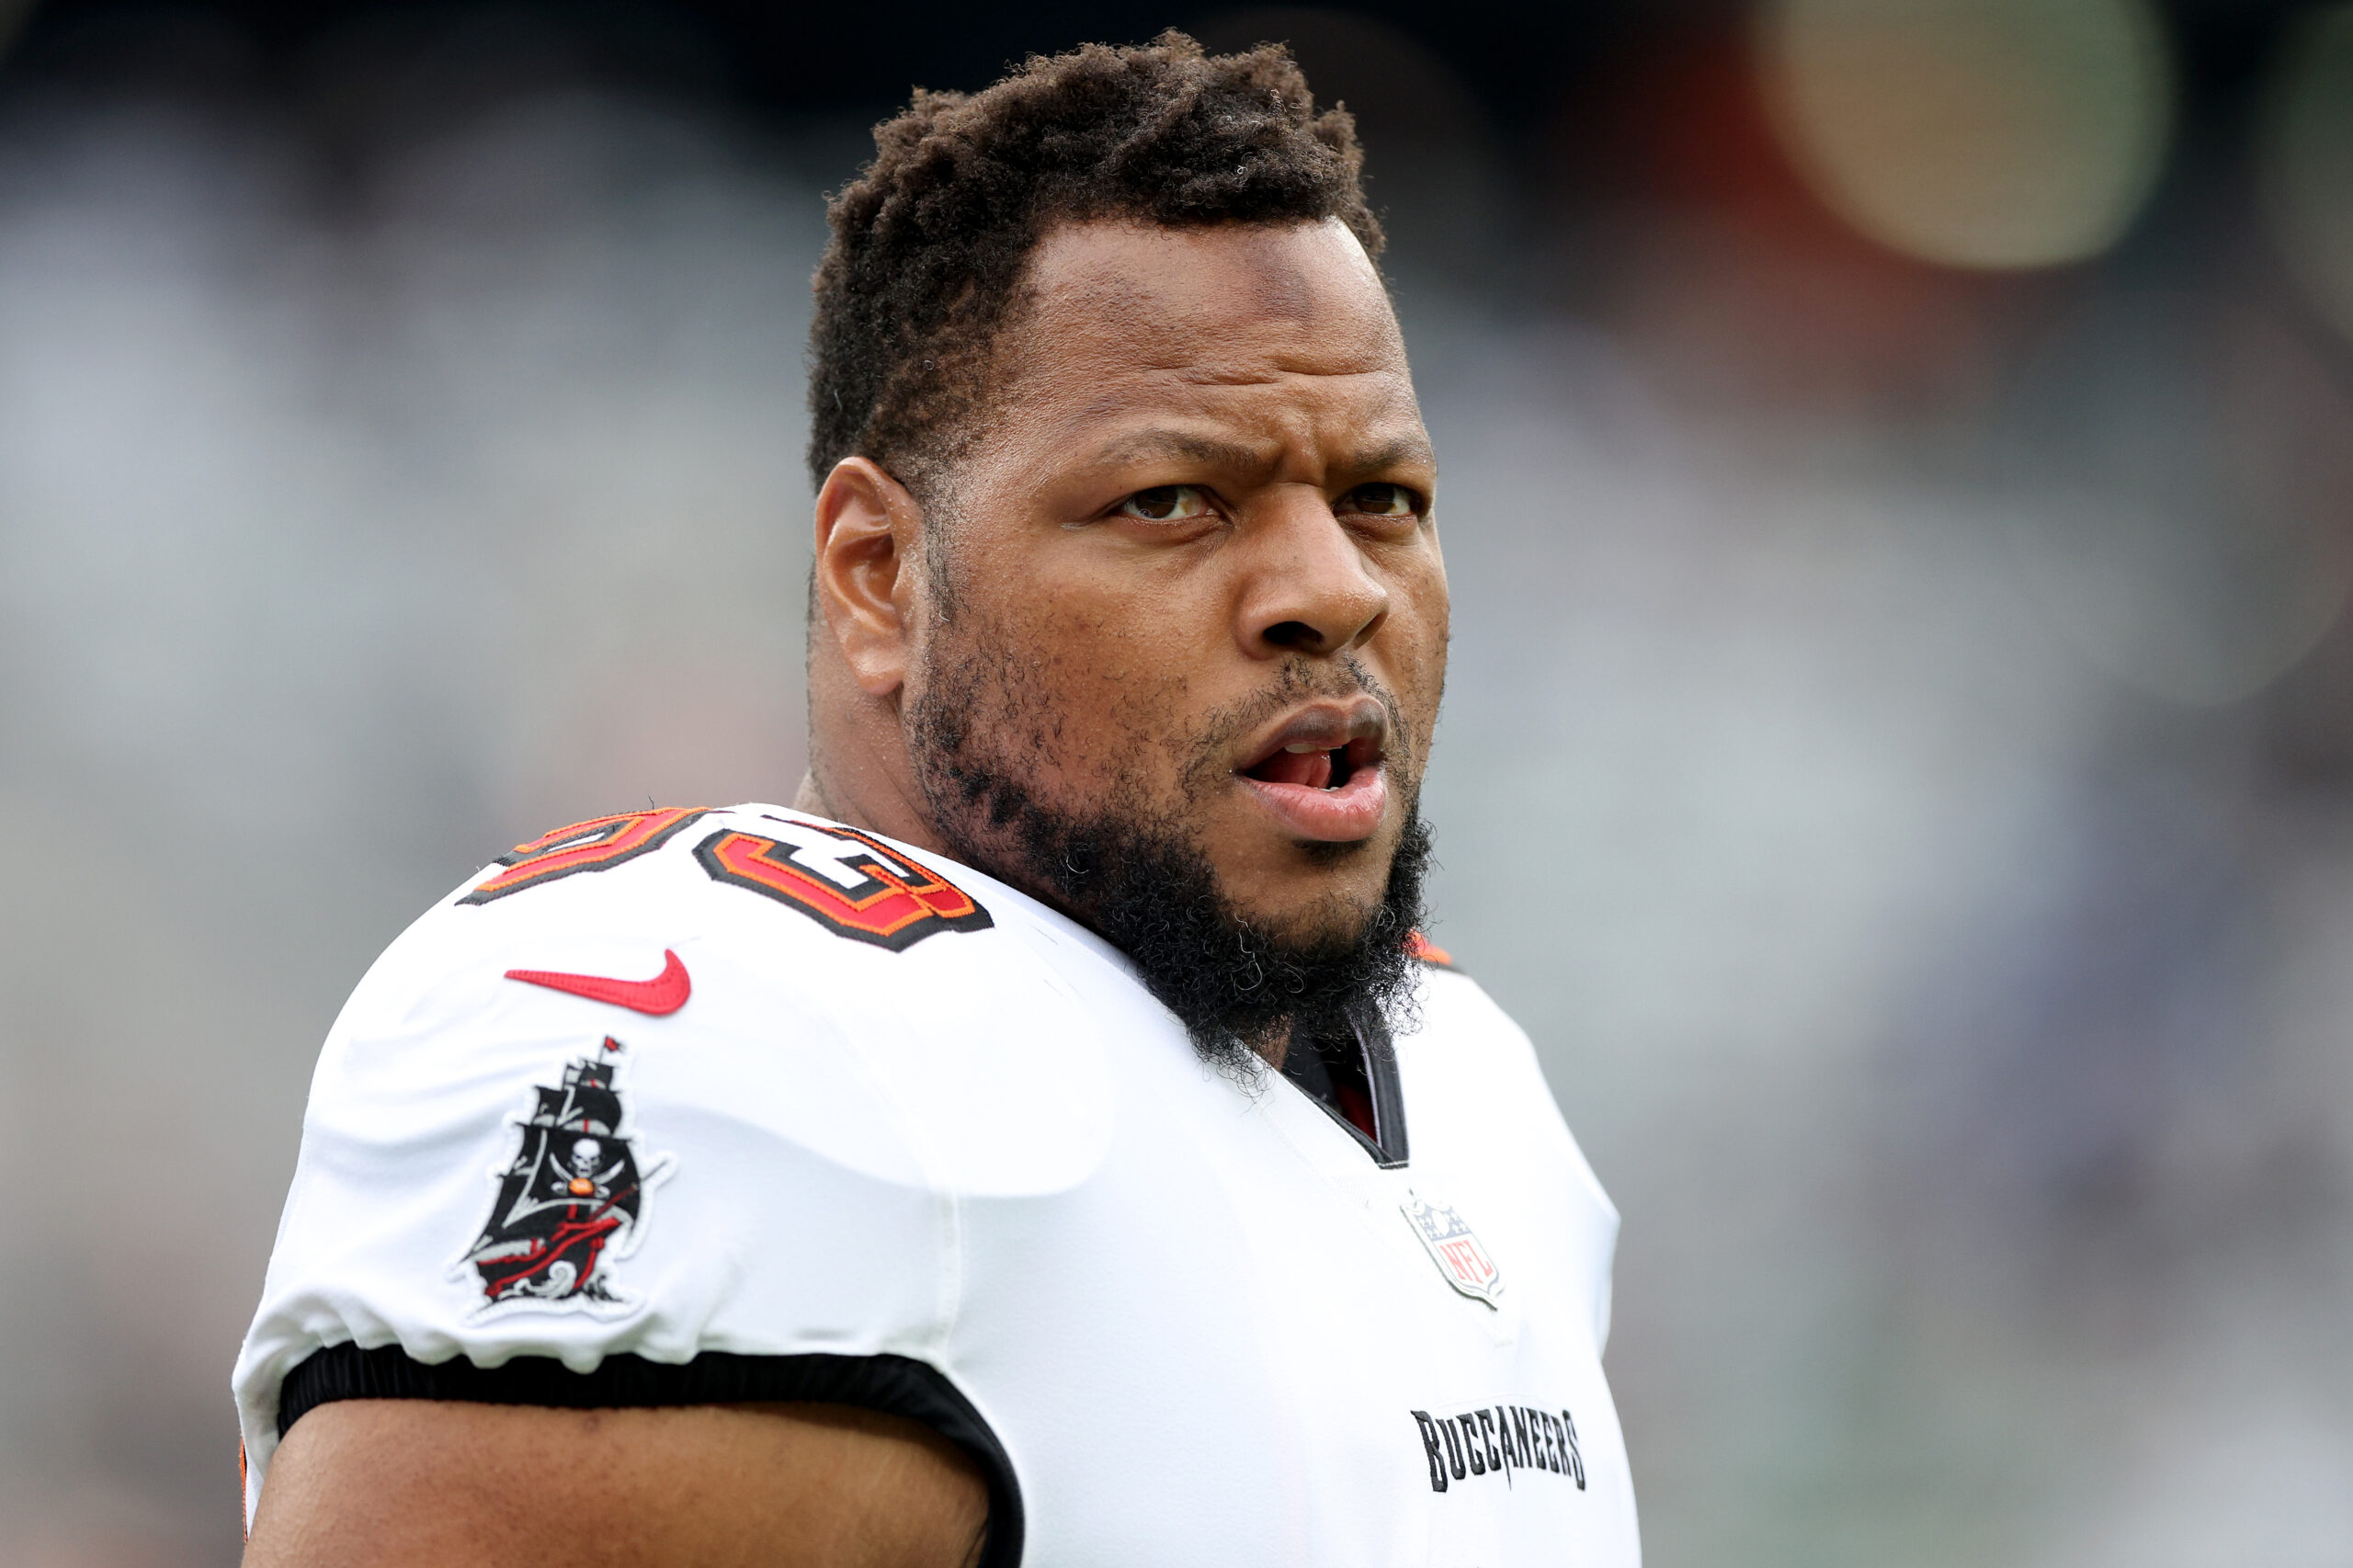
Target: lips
<point>1319,773</point>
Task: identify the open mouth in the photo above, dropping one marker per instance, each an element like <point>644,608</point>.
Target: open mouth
<point>1315,766</point>
<point>1322,777</point>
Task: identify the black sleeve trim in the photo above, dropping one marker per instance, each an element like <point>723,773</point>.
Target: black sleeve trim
<point>890,1385</point>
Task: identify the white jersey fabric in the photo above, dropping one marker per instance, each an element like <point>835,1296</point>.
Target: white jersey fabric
<point>880,1105</point>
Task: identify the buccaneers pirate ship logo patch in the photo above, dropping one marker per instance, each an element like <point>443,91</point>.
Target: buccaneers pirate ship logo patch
<point>1455,1247</point>
<point>571,1201</point>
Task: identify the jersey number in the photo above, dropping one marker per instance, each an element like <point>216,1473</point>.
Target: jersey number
<point>844,880</point>
<point>590,845</point>
<point>836,875</point>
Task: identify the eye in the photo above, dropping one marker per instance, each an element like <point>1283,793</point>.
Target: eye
<point>1165,504</point>
<point>1381,501</point>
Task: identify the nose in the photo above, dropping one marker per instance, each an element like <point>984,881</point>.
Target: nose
<point>1310,588</point>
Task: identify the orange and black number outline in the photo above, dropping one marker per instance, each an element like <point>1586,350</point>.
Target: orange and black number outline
<point>592,845</point>
<point>907,902</point>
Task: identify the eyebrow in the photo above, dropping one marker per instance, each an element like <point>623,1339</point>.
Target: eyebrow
<point>1144,445</point>
<point>1406,452</point>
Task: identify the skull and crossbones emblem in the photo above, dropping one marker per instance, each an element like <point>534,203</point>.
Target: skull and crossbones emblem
<point>587,1181</point>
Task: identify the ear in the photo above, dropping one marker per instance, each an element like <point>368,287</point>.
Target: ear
<point>870,534</point>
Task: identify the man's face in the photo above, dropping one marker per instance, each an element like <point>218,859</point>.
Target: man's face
<point>1189,575</point>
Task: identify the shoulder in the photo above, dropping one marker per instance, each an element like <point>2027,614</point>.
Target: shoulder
<point>1475,1065</point>
<point>620,1107</point>
<point>1474,1080</point>
<point>866,998</point>
<point>697,864</point>
<point>829,906</point>
<point>673,1083</point>
<point>1452,1007</point>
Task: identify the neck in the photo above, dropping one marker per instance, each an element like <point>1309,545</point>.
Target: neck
<point>858,770</point>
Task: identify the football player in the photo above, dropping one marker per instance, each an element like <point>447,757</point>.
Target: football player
<point>1047,1140</point>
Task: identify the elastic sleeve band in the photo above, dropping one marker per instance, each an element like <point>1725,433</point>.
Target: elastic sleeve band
<point>888,1385</point>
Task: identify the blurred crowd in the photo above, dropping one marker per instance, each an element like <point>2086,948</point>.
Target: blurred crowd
<point>1898,490</point>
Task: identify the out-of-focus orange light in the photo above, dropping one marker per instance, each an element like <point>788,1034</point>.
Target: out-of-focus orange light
<point>1982,133</point>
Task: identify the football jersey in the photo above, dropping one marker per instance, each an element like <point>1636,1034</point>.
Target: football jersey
<point>715,1097</point>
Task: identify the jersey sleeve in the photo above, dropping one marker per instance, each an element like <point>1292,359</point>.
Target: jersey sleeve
<point>495,1168</point>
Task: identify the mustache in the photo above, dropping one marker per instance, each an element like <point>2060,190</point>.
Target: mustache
<point>1297,679</point>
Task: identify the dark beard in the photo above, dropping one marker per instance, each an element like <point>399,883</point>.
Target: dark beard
<point>1237,989</point>
<point>1143,887</point>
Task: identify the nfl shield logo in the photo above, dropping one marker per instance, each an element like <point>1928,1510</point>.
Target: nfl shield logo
<point>1455,1249</point>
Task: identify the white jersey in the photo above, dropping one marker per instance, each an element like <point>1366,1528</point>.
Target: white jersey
<point>745,1102</point>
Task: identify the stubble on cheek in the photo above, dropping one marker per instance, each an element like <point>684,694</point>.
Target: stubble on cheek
<point>1027,701</point>
<point>1035,710</point>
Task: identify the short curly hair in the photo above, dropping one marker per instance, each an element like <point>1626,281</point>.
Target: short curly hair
<point>930,243</point>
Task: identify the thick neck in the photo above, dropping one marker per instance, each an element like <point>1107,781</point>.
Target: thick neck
<point>859,769</point>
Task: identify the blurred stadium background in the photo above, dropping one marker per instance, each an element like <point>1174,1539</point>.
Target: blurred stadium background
<point>1900,756</point>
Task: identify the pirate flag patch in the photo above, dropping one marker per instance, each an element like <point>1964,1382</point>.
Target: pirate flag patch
<point>572,1200</point>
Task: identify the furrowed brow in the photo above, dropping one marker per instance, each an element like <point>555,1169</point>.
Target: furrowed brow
<point>1406,452</point>
<point>1144,446</point>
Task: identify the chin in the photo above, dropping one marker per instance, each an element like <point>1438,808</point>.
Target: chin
<point>1324,917</point>
<point>1325,855</point>
<point>1305,889</point>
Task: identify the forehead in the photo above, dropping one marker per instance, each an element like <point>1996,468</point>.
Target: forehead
<point>1227,319</point>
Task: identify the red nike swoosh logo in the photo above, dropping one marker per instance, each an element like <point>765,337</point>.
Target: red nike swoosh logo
<point>666,993</point>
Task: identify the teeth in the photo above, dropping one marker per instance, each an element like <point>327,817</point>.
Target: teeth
<point>1302,747</point>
